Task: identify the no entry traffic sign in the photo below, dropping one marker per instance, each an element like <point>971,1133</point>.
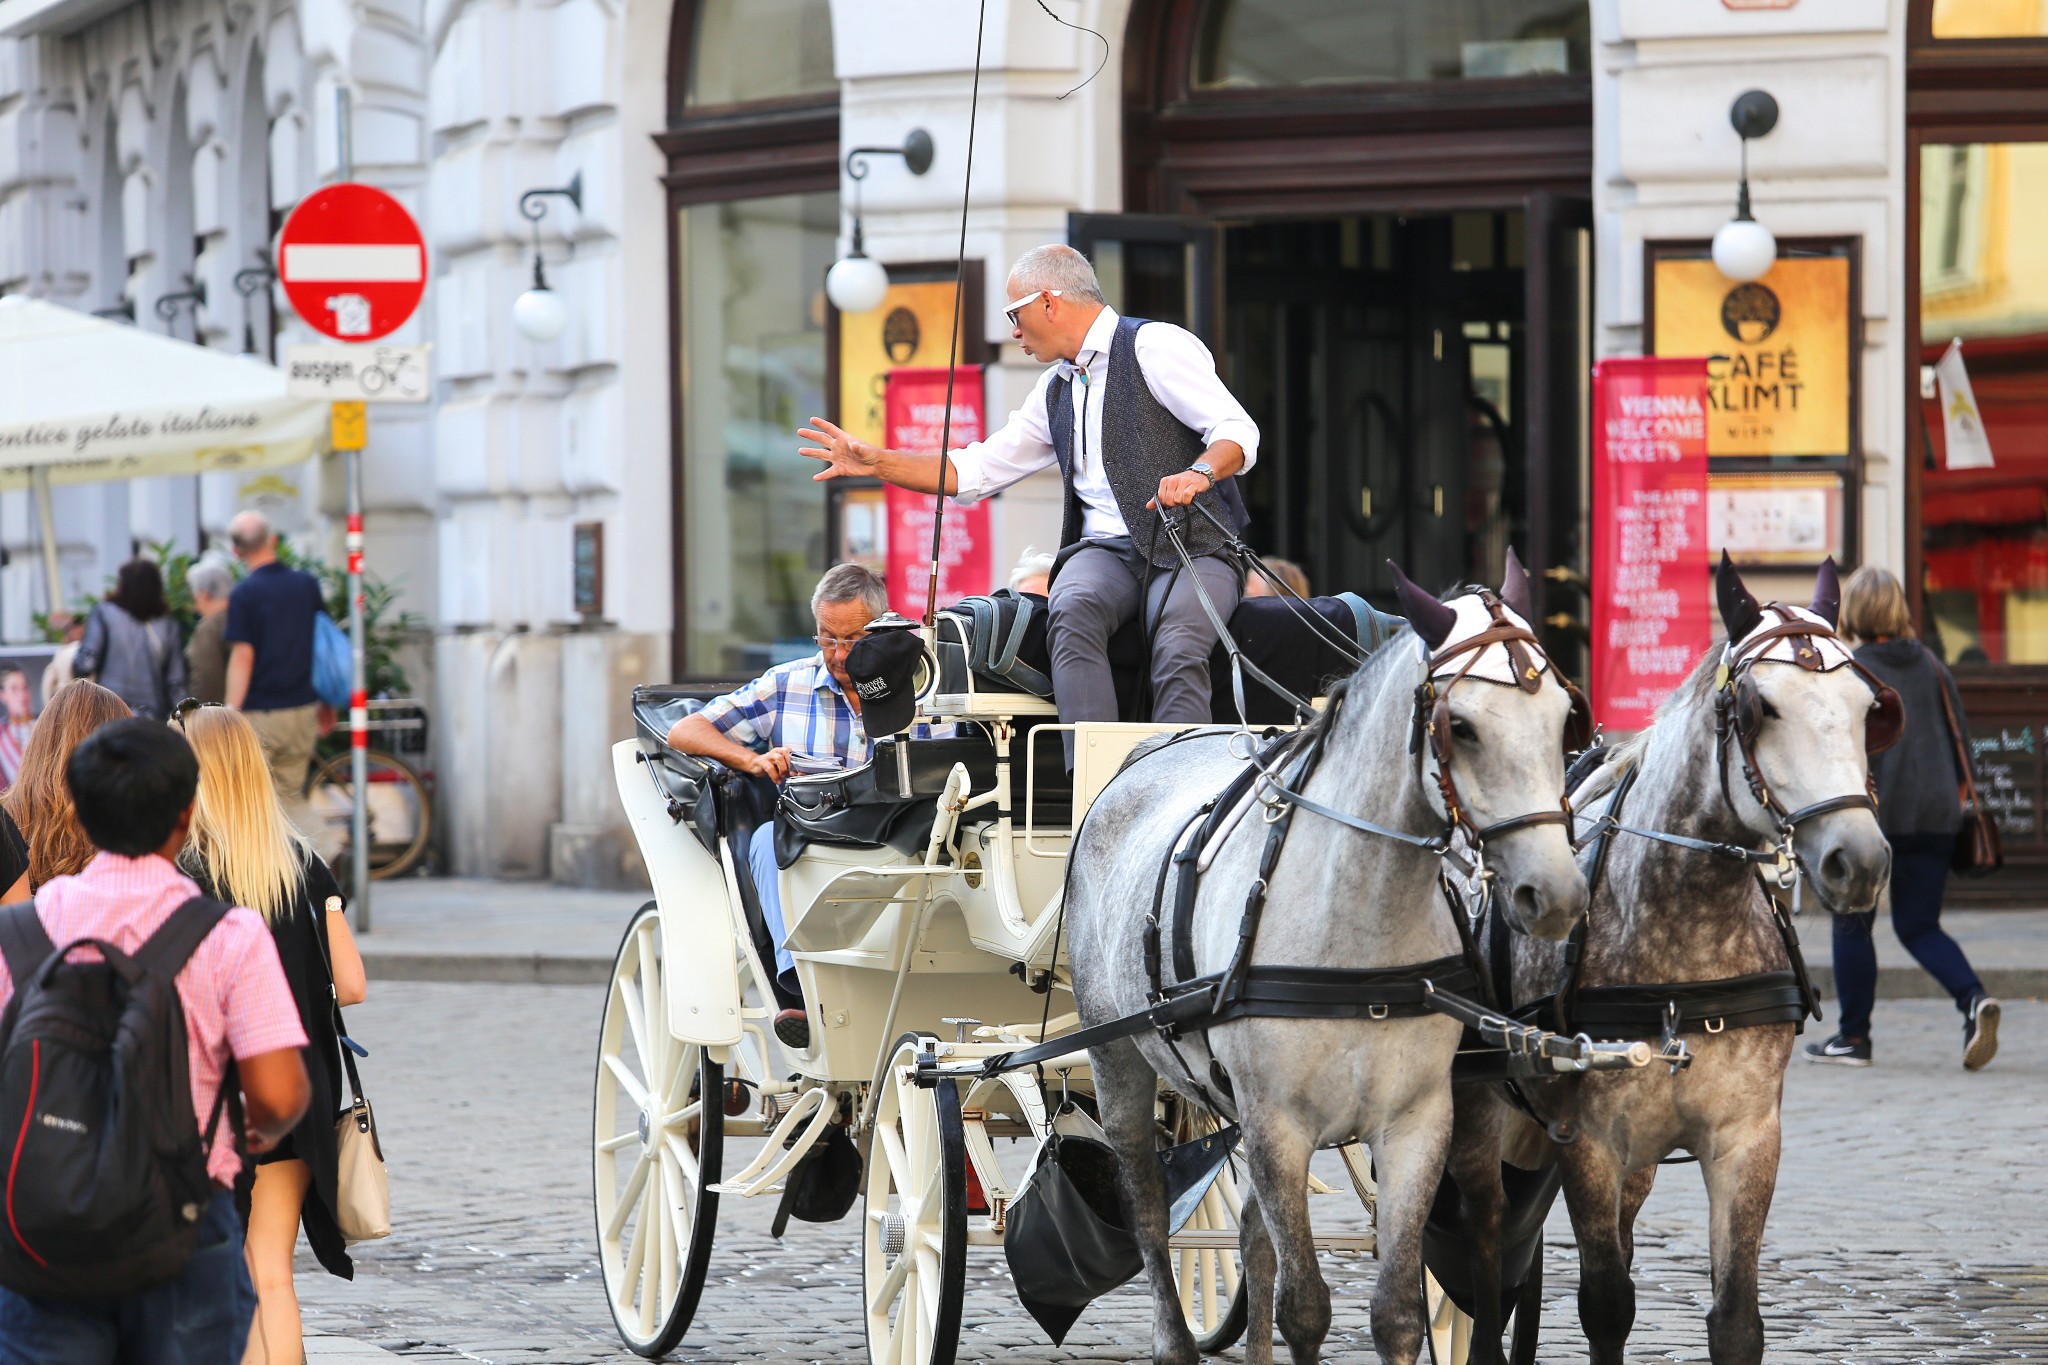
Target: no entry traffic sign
<point>352,262</point>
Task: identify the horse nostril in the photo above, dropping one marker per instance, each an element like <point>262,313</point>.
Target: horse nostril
<point>1836,868</point>
<point>1528,905</point>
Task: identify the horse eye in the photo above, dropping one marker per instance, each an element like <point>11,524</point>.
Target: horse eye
<point>1770,711</point>
<point>1462,729</point>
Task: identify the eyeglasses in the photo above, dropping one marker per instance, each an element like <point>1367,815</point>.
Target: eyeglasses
<point>839,642</point>
<point>1016,306</point>
<point>188,706</point>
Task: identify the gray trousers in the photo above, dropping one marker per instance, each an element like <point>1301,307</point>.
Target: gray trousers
<point>1097,587</point>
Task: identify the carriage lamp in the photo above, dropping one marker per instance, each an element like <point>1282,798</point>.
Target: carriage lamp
<point>539,313</point>
<point>1744,249</point>
<point>857,283</point>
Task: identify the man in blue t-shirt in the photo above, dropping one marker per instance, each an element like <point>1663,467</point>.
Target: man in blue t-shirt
<point>270,662</point>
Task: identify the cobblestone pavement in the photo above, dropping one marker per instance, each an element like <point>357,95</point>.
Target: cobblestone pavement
<point>1911,1221</point>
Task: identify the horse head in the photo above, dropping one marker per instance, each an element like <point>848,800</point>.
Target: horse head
<point>1798,720</point>
<point>1493,720</point>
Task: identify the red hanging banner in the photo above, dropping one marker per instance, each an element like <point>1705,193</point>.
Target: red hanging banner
<point>913,407</point>
<point>1650,617</point>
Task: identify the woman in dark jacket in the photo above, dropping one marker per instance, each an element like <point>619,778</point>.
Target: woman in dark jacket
<point>245,852</point>
<point>1920,812</point>
<point>132,646</point>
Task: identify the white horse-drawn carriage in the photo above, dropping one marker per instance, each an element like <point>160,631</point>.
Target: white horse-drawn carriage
<point>923,897</point>
<point>929,933</point>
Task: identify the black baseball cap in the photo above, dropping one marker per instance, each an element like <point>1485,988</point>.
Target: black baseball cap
<point>884,669</point>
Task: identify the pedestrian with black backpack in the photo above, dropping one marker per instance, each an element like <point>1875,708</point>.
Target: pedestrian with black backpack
<point>136,1067</point>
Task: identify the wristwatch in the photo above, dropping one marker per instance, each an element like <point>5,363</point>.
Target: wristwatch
<point>1202,467</point>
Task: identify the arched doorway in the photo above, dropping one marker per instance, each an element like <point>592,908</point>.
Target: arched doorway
<point>1379,217</point>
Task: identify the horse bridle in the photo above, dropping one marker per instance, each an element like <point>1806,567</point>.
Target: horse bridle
<point>1432,721</point>
<point>1738,713</point>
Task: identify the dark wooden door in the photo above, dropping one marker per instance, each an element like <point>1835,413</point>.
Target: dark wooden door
<point>1559,360</point>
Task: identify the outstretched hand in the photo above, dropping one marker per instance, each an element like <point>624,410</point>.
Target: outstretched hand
<point>843,455</point>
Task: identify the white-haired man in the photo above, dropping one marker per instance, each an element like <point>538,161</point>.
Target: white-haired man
<point>1135,417</point>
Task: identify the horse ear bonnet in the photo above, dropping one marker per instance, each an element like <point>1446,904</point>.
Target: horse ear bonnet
<point>1827,593</point>
<point>1514,586</point>
<point>1740,613</point>
<point>1433,620</point>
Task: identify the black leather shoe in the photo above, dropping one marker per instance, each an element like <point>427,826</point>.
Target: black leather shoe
<point>793,1027</point>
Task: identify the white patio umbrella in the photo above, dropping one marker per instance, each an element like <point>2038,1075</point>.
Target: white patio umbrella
<point>85,400</point>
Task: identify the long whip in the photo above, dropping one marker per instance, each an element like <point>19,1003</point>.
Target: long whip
<point>931,592</point>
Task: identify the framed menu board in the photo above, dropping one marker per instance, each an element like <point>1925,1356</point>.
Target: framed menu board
<point>1784,439</point>
<point>2006,716</point>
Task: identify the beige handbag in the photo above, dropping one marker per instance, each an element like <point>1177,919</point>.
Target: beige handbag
<point>362,1189</point>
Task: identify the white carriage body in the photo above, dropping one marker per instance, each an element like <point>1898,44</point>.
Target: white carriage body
<point>902,957</point>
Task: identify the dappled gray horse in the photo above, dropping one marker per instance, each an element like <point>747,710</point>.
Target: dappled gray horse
<point>1762,748</point>
<point>1338,898</point>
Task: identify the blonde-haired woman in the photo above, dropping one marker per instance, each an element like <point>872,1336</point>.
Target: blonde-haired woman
<point>1919,812</point>
<point>41,837</point>
<point>244,851</point>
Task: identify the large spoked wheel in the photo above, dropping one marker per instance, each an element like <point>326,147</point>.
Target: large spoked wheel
<point>656,1148</point>
<point>914,1228</point>
<point>1208,1267</point>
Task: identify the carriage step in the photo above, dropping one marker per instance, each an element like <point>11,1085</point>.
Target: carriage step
<point>744,1189</point>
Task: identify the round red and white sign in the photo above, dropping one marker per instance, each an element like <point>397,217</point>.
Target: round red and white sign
<point>352,262</point>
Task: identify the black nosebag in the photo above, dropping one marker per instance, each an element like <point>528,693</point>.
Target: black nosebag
<point>1065,1236</point>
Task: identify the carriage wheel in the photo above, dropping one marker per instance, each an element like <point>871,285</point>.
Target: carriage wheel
<point>914,1228</point>
<point>1211,1280</point>
<point>656,1147</point>
<point>1448,1330</point>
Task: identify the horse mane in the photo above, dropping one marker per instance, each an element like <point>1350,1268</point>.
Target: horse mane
<point>1695,692</point>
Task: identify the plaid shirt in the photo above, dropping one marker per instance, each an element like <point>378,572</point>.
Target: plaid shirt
<point>233,989</point>
<point>798,706</point>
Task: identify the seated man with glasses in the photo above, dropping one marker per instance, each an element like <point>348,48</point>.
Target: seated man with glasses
<point>809,708</point>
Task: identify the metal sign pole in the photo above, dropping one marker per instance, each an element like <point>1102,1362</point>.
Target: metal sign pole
<point>358,695</point>
<point>358,702</point>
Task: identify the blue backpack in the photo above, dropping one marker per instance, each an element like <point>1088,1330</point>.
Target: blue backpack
<point>333,664</point>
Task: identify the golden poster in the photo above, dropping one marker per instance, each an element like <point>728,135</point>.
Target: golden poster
<point>1782,385</point>
<point>908,329</point>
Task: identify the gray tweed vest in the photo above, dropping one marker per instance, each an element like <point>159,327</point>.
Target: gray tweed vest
<point>1142,443</point>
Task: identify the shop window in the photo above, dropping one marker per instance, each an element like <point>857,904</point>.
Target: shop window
<point>747,51</point>
<point>753,371</point>
<point>1984,282</point>
<point>1991,18</point>
<point>1254,43</point>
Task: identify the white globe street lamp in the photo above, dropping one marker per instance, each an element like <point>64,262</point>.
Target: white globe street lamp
<point>539,313</point>
<point>857,283</point>
<point>1744,249</point>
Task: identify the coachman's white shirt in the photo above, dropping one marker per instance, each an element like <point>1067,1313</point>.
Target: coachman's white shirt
<point>1178,370</point>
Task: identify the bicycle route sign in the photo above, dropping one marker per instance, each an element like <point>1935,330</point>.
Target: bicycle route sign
<point>352,262</point>
<point>357,374</point>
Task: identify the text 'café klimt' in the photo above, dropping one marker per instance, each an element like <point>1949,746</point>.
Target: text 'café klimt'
<point>1432,245</point>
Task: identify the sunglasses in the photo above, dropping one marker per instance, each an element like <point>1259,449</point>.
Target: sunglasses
<point>188,706</point>
<point>1016,306</point>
